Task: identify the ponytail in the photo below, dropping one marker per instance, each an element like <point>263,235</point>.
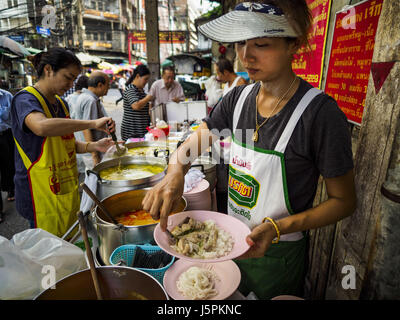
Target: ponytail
<point>57,58</point>
<point>141,70</point>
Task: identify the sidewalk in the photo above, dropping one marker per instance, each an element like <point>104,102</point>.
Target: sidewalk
<point>13,222</point>
<point>114,111</point>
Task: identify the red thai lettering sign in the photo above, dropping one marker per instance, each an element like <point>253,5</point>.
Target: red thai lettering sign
<point>351,57</point>
<point>309,65</point>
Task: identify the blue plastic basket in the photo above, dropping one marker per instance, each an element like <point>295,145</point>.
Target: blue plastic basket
<point>127,253</point>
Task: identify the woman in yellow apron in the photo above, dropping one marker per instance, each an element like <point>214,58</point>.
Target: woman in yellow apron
<point>285,134</point>
<point>46,171</point>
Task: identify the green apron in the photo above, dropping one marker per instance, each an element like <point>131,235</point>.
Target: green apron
<point>257,189</point>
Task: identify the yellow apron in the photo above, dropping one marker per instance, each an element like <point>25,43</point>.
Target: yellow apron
<point>53,178</point>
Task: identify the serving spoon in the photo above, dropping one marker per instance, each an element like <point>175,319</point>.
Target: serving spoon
<point>120,150</point>
<point>101,206</point>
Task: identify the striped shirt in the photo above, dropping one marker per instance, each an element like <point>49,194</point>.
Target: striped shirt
<point>134,122</point>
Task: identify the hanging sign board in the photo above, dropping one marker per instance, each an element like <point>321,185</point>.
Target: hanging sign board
<point>351,57</point>
<point>308,64</point>
<point>43,31</point>
<point>164,36</point>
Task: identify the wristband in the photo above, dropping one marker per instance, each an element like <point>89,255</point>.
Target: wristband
<point>278,233</point>
<point>86,147</point>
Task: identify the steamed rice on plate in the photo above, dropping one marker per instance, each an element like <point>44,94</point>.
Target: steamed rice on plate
<point>201,240</point>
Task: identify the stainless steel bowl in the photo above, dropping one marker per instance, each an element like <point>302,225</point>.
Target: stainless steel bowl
<point>116,283</point>
<point>109,237</point>
<point>106,188</point>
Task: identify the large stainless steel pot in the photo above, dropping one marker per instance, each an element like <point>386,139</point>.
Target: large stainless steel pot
<point>110,237</point>
<point>106,188</point>
<point>158,112</point>
<point>120,283</point>
<point>156,148</point>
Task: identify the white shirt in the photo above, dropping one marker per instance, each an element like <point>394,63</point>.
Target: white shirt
<point>121,83</point>
<point>228,88</point>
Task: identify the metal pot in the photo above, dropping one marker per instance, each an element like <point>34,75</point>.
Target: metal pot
<point>106,188</point>
<point>110,237</point>
<point>160,148</point>
<point>119,283</point>
<point>158,112</point>
<point>208,166</point>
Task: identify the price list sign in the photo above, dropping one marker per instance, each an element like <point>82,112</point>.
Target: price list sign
<point>308,63</point>
<point>351,57</point>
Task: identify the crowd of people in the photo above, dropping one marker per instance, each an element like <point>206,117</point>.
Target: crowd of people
<point>53,131</point>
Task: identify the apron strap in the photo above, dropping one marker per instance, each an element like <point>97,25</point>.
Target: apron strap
<point>63,105</point>
<point>42,102</point>
<point>297,113</point>
<point>24,157</point>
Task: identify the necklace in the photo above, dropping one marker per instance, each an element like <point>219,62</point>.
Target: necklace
<point>54,107</point>
<point>258,126</point>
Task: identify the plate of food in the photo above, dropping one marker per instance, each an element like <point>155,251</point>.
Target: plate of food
<point>203,236</point>
<point>186,280</point>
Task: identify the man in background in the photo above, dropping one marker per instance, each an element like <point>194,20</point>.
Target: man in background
<point>7,166</point>
<point>89,107</point>
<point>121,87</point>
<point>225,74</point>
<point>165,90</point>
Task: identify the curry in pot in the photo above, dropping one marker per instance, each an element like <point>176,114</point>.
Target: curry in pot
<point>135,218</point>
<point>130,172</point>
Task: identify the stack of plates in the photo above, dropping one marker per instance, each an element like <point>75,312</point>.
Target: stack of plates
<point>199,198</point>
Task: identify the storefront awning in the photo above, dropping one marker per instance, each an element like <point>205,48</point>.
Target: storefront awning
<point>87,59</point>
<point>33,50</point>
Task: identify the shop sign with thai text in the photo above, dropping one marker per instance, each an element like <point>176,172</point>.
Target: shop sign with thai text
<point>164,36</point>
<point>308,63</point>
<point>351,57</point>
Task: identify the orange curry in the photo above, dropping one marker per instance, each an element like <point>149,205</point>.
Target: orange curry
<point>136,218</point>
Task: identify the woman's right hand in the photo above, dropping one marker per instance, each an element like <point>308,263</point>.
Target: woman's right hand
<point>101,123</point>
<point>162,198</point>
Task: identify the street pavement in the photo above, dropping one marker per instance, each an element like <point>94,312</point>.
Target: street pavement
<point>13,222</point>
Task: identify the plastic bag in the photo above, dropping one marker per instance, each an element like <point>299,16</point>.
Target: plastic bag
<point>29,256</point>
<point>86,201</point>
<point>192,179</point>
<point>19,276</point>
<point>213,91</point>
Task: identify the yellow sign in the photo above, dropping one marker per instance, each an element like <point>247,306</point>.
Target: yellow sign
<point>107,15</point>
<point>96,44</point>
<point>164,36</point>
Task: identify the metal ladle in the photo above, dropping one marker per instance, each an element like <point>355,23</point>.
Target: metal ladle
<point>120,150</point>
<point>101,206</point>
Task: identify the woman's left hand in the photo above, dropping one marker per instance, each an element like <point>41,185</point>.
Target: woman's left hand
<point>104,144</point>
<point>259,240</point>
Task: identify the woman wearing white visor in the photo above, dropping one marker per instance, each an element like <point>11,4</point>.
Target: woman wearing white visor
<point>285,135</point>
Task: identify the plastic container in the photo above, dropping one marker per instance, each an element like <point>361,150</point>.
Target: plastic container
<point>127,253</point>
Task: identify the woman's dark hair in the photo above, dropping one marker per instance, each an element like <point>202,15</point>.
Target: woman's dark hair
<point>140,70</point>
<point>81,83</point>
<point>224,64</point>
<point>57,58</point>
<point>299,16</point>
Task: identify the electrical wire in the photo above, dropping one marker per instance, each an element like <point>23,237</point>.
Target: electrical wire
<point>14,29</point>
